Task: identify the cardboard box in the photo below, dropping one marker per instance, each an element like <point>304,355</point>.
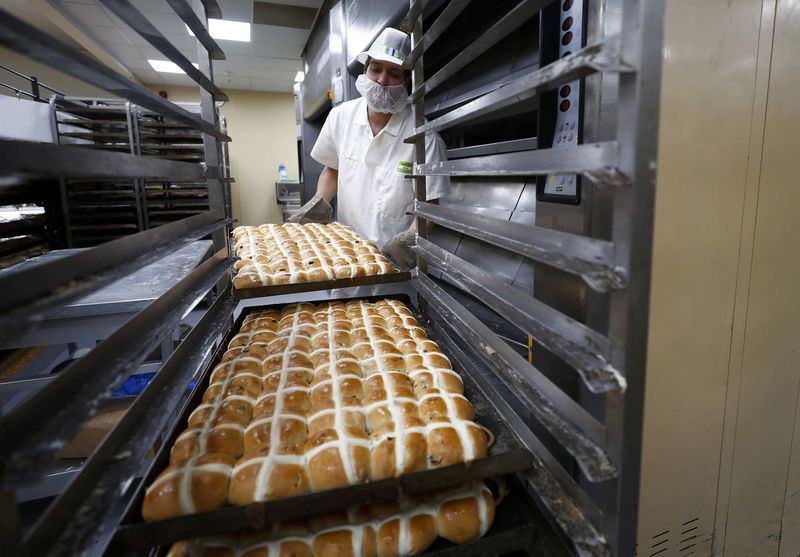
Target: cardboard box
<point>96,429</point>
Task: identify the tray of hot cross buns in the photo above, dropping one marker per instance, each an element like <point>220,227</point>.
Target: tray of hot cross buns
<point>469,519</point>
<point>278,259</point>
<point>323,423</point>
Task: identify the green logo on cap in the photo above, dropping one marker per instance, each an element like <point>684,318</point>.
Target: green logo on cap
<point>392,52</point>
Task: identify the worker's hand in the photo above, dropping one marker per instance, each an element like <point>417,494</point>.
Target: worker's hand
<point>316,210</point>
<point>398,249</point>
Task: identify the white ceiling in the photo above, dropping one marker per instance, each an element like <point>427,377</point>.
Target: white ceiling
<point>268,63</point>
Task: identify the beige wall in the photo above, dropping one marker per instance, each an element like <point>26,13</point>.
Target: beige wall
<point>45,74</point>
<point>262,126</point>
<point>765,472</point>
<point>724,339</point>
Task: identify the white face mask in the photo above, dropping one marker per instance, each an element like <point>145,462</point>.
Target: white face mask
<point>382,98</point>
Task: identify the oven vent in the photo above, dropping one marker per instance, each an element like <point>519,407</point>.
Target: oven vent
<point>659,543</point>
<point>684,540</point>
<point>689,537</point>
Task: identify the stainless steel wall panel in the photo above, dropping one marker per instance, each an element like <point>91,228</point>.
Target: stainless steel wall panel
<point>446,238</point>
<point>524,217</point>
<point>317,68</point>
<point>527,200</point>
<point>501,263</point>
<point>498,193</point>
<point>524,279</point>
<point>525,213</point>
<point>337,41</point>
<point>501,214</point>
<point>486,256</point>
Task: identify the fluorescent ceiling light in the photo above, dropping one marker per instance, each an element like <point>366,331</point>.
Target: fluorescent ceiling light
<point>299,77</point>
<point>227,30</point>
<point>165,66</point>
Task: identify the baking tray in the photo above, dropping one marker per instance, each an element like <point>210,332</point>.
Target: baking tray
<point>506,456</point>
<point>294,288</point>
<point>514,529</point>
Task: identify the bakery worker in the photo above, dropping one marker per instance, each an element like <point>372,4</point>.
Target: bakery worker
<point>366,162</point>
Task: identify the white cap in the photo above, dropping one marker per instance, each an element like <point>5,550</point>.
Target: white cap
<point>391,45</point>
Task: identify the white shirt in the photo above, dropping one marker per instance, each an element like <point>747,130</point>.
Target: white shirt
<point>373,192</point>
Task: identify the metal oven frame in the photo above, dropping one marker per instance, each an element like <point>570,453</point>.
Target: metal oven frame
<point>606,447</point>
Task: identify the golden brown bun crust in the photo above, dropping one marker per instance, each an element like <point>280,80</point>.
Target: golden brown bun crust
<point>458,514</point>
<point>292,253</point>
<point>312,397</point>
<point>464,519</point>
<point>208,476</point>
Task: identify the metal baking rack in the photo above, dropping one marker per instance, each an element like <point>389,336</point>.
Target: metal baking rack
<point>333,284</point>
<point>580,415</point>
<point>99,210</point>
<point>513,529</point>
<point>87,317</point>
<point>506,456</point>
<point>83,517</point>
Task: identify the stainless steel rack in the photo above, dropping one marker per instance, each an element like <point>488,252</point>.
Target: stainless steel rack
<point>83,518</point>
<point>99,210</point>
<point>586,463</point>
<point>506,455</point>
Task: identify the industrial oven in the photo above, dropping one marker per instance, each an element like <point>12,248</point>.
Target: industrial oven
<point>534,247</point>
<point>535,282</point>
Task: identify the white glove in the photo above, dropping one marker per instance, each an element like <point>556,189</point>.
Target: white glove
<point>316,210</point>
<point>398,249</point>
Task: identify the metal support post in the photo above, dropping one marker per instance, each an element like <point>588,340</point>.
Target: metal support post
<point>632,235</point>
<point>208,111</point>
<point>35,89</point>
<point>131,117</point>
<point>420,182</point>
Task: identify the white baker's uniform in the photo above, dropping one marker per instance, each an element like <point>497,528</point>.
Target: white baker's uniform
<point>373,192</point>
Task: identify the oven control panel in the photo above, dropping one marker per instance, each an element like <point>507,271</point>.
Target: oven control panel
<point>565,187</point>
